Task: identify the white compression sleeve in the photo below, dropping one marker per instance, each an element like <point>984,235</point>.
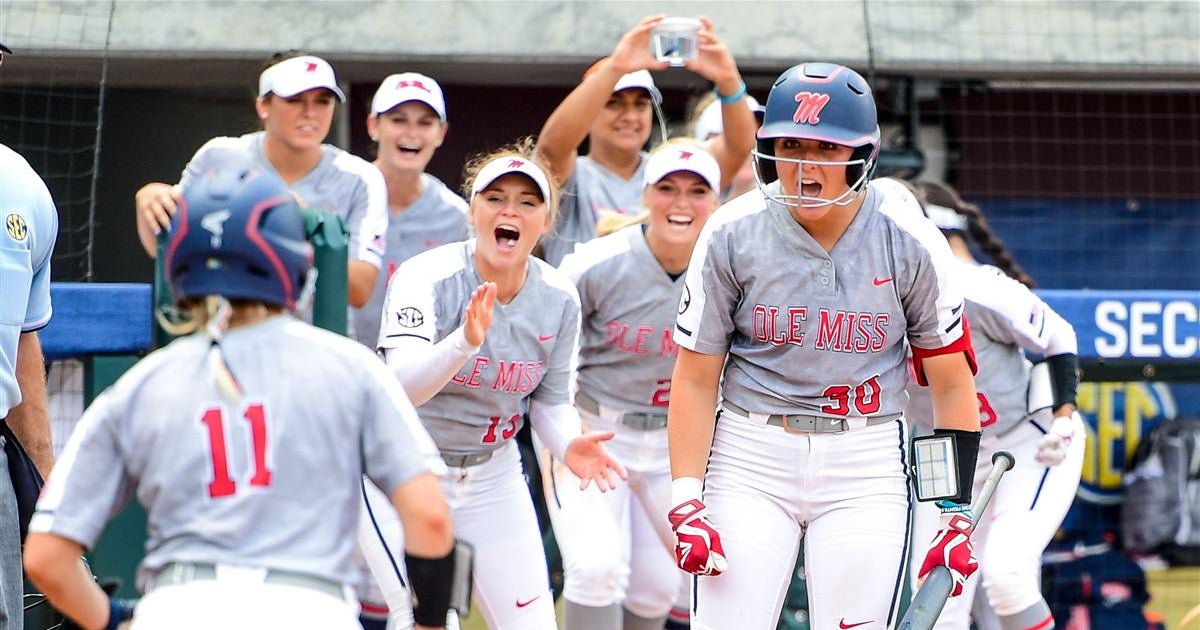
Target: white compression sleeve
<point>555,425</point>
<point>424,369</point>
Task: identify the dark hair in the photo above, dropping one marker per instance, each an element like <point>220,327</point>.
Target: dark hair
<point>938,193</point>
<point>275,58</point>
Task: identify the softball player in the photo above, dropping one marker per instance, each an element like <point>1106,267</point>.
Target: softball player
<point>616,547</point>
<point>611,107</point>
<point>296,100</point>
<point>250,481</point>
<point>799,301</point>
<point>408,121</point>
<point>1046,437</point>
<point>475,366</point>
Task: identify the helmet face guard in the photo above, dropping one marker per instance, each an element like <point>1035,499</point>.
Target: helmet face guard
<point>826,103</point>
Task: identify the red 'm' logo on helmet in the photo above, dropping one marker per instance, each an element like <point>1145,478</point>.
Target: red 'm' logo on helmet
<point>310,67</point>
<point>808,112</point>
<point>685,155</point>
<point>515,164</point>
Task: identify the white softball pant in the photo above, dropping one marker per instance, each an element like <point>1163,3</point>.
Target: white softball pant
<point>846,494</point>
<point>1027,508</point>
<point>239,598</point>
<point>491,509</point>
<point>617,546</point>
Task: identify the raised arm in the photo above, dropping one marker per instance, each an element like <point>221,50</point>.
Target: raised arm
<point>716,64</point>
<point>423,367</point>
<point>568,125</point>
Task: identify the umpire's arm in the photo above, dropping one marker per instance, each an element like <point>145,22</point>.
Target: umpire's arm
<point>30,420</point>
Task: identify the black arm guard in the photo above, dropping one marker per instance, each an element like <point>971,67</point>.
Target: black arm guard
<point>1064,378</point>
<point>431,580</point>
<point>966,451</point>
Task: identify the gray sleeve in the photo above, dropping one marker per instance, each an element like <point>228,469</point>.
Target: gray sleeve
<point>367,217</point>
<point>396,446</point>
<point>710,295</point>
<point>89,483</point>
<point>200,163</point>
<point>559,379</point>
<point>569,226</point>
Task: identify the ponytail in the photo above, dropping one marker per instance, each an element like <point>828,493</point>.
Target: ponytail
<point>977,229</point>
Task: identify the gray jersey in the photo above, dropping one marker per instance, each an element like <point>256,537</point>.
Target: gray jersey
<point>529,352</point>
<point>271,483</point>
<point>1005,316</point>
<point>343,184</point>
<point>437,217</point>
<point>590,191</point>
<point>810,331</point>
<point>629,303</point>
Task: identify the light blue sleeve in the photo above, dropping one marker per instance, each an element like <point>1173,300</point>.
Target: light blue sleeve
<point>44,232</point>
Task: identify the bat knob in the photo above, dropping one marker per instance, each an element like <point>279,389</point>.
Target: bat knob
<point>1009,460</point>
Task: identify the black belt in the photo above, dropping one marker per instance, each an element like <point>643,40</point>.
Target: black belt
<point>632,419</point>
<point>183,572</point>
<point>807,423</point>
<point>463,460</point>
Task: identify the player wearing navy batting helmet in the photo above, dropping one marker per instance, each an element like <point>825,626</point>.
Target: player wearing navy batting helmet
<point>800,304</point>
<point>245,442</point>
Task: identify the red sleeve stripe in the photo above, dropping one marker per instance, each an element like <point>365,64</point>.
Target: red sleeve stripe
<point>962,344</point>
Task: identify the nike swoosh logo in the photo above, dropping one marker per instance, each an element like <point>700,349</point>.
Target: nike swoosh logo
<point>878,282</point>
<point>546,337</point>
<point>522,604</point>
<point>842,624</point>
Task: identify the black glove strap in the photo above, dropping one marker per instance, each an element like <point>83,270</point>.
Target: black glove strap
<point>431,580</point>
<point>966,453</point>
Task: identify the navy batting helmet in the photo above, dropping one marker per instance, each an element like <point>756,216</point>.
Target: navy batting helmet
<point>238,233</point>
<point>827,103</point>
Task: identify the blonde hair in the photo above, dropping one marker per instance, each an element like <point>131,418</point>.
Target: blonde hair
<point>522,148</point>
<point>610,222</point>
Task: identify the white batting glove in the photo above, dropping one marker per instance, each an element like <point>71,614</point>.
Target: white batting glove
<point>1053,447</point>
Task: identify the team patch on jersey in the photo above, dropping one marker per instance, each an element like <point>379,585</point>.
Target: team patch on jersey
<point>15,224</point>
<point>685,300</point>
<point>410,317</point>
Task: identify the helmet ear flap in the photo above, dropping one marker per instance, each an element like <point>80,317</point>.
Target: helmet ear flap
<point>766,167</point>
<point>868,154</point>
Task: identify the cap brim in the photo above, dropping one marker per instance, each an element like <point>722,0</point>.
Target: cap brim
<point>335,89</point>
<point>504,165</point>
<point>5,49</point>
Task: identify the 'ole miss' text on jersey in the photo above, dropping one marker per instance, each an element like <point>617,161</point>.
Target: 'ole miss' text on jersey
<point>819,332</point>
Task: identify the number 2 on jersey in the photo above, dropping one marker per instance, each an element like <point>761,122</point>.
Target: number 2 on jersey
<point>222,485</point>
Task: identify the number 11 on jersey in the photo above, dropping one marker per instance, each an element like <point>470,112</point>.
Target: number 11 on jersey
<point>222,485</point>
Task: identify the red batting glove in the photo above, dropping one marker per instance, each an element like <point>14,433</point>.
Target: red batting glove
<point>952,548</point>
<point>698,547</point>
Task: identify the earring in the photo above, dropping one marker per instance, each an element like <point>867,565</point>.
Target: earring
<point>374,138</point>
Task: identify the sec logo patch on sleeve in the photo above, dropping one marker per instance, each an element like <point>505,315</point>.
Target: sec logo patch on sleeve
<point>15,224</point>
<point>685,300</point>
<point>410,317</point>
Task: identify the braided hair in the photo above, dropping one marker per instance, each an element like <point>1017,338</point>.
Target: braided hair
<point>939,194</point>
